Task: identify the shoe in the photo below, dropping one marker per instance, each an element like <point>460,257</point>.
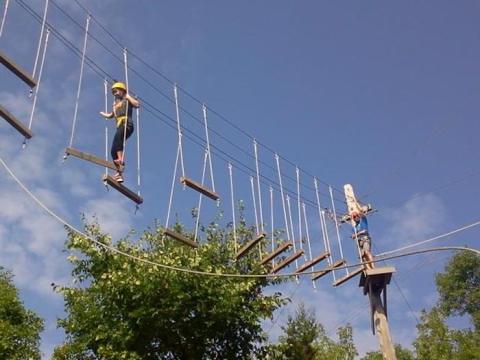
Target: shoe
<point>119,163</point>
<point>118,177</point>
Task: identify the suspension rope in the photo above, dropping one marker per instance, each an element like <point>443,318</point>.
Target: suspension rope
<point>328,242</point>
<point>271,222</point>
<point>79,88</point>
<point>254,205</point>
<point>127,104</point>
<point>300,235</point>
<point>37,88</point>
<point>4,17</point>
<point>277,158</point>
<point>336,224</point>
<point>258,183</point>
<point>307,232</point>
<point>322,225</point>
<point>172,188</point>
<point>139,183</point>
<point>40,39</point>
<point>209,153</point>
<point>291,228</point>
<point>233,207</point>
<point>197,221</point>
<point>179,129</point>
<point>105,88</point>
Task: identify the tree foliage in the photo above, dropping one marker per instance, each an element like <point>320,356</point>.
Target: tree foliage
<point>19,327</point>
<point>126,309</point>
<point>400,352</point>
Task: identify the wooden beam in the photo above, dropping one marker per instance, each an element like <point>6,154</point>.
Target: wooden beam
<point>378,277</point>
<point>88,157</point>
<point>176,236</point>
<point>199,187</point>
<point>348,276</point>
<point>17,70</point>
<point>335,265</point>
<point>245,248</point>
<point>122,189</point>
<point>312,262</point>
<point>287,261</point>
<point>285,246</point>
<point>12,120</point>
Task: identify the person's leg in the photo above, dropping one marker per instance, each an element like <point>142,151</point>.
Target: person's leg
<point>117,153</point>
<point>367,254</point>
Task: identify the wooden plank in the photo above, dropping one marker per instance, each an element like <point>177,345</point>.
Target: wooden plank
<point>287,261</point>
<point>312,262</point>
<point>88,157</point>
<point>335,265</point>
<point>17,70</point>
<point>12,120</point>
<point>379,277</point>
<point>285,246</point>
<point>348,276</point>
<point>199,187</point>
<point>176,236</point>
<point>122,189</point>
<point>245,248</point>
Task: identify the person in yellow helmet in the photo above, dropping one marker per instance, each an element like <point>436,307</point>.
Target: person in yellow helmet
<point>122,112</point>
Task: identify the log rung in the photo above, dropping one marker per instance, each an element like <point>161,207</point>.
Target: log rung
<point>287,261</point>
<point>176,236</point>
<point>199,187</point>
<point>321,273</point>
<point>285,246</point>
<point>123,189</point>
<point>12,120</point>
<point>17,70</point>
<point>348,276</point>
<point>88,157</point>
<point>248,246</point>
<point>312,262</point>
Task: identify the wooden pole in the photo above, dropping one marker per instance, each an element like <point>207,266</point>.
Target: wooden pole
<point>380,322</point>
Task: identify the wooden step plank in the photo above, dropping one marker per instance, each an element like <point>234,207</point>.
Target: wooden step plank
<point>199,187</point>
<point>17,70</point>
<point>183,239</point>
<point>285,246</point>
<point>348,277</point>
<point>248,246</point>
<point>312,262</point>
<point>287,261</point>
<point>122,189</point>
<point>335,265</point>
<point>12,120</point>
<point>378,277</point>
<point>88,157</point>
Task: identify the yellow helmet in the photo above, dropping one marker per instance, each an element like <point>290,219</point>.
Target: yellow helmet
<point>119,85</point>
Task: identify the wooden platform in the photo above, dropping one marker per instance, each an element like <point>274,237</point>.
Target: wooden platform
<point>122,189</point>
<point>312,262</point>
<point>199,187</point>
<point>377,278</point>
<point>347,277</point>
<point>248,246</point>
<point>183,239</point>
<point>88,157</point>
<point>285,246</point>
<point>12,120</point>
<point>17,70</point>
<point>321,273</point>
<point>287,261</point>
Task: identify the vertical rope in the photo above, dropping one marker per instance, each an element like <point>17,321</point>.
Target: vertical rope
<point>328,242</point>
<point>271,222</point>
<point>127,104</point>
<point>207,138</point>
<point>172,188</point>
<point>139,183</point>
<point>254,205</point>
<point>307,232</point>
<point>277,158</point>
<point>37,88</point>
<point>40,39</point>
<point>336,225</point>
<point>197,221</point>
<point>105,88</point>
<point>179,129</point>
<point>300,235</point>
<point>258,184</point>
<point>291,227</point>
<point>4,17</point>
<point>233,207</point>
<point>79,82</point>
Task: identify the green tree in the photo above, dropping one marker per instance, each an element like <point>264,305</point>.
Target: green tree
<point>346,346</point>
<point>433,340</point>
<point>126,309</point>
<point>19,327</point>
<point>400,352</point>
<point>459,287</point>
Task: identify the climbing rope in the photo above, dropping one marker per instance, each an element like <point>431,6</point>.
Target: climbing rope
<point>230,172</point>
<point>336,225</point>
<point>258,184</point>
<point>44,19</point>
<point>4,17</point>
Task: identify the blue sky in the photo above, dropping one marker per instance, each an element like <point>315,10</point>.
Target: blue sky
<point>380,95</point>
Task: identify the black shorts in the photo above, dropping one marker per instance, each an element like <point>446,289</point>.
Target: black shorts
<point>117,144</point>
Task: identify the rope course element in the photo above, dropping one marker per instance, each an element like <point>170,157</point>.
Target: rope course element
<point>4,16</point>
<point>34,73</point>
<point>230,172</point>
